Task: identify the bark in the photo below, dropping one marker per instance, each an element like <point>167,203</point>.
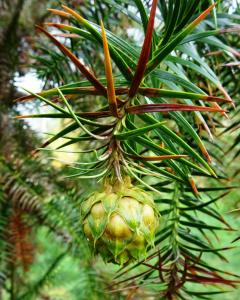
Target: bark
<point>9,44</point>
<point>13,39</point>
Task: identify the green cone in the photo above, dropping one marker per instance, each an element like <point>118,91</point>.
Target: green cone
<point>120,222</point>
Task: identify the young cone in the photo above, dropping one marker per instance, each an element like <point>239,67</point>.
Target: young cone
<point>120,221</point>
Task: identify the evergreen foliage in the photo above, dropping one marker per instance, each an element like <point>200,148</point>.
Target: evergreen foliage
<point>154,109</point>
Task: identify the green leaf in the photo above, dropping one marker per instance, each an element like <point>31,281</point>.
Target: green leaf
<point>137,132</point>
<point>144,55</point>
<point>182,143</point>
<point>166,49</point>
